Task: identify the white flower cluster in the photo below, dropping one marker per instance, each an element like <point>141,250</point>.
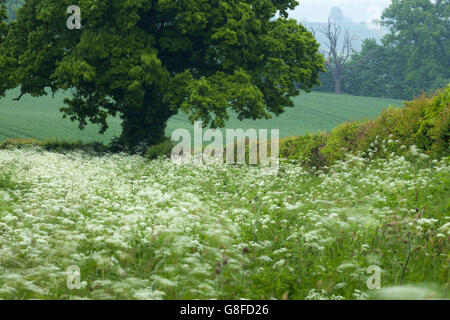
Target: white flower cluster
<point>155,230</point>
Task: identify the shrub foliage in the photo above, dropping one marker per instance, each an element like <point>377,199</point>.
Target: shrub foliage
<point>423,122</point>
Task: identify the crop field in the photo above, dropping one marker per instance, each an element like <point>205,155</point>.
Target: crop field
<point>40,118</point>
<point>139,229</point>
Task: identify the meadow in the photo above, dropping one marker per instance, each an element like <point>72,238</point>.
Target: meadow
<point>361,212</point>
<point>39,118</point>
<point>140,229</point>
<point>358,208</point>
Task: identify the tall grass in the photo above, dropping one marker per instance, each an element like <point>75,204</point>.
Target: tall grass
<point>140,229</point>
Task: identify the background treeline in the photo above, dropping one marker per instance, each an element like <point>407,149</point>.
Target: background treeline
<point>413,57</point>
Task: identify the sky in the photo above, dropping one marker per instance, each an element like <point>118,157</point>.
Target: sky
<point>357,10</point>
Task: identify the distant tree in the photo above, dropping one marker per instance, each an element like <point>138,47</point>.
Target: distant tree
<point>374,71</point>
<point>414,57</point>
<point>146,60</point>
<point>326,79</point>
<point>336,15</point>
<point>420,35</point>
<point>337,56</point>
<point>313,29</point>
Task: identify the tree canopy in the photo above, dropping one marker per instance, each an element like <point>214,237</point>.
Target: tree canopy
<point>3,17</point>
<point>148,59</point>
<point>414,56</point>
<point>420,31</point>
<point>376,70</point>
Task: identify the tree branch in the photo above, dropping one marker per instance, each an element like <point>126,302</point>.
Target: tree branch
<point>19,97</point>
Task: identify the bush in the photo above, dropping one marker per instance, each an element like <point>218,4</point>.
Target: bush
<point>54,145</point>
<point>342,140</point>
<point>162,150</point>
<point>305,149</point>
<point>423,122</point>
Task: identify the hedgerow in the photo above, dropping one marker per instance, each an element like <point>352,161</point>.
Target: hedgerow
<point>54,145</point>
<point>423,122</point>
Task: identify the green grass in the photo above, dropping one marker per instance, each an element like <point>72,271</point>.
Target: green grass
<point>140,229</point>
<point>39,118</point>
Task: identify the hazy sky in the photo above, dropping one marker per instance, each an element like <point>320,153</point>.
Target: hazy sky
<point>357,10</point>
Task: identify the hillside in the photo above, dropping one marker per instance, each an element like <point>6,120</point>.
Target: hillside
<point>40,118</point>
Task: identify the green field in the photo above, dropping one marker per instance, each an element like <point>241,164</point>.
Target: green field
<point>40,118</point>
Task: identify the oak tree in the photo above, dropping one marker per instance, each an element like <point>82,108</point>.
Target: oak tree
<point>147,60</point>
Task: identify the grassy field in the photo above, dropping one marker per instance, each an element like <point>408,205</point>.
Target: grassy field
<point>40,118</point>
<point>139,229</point>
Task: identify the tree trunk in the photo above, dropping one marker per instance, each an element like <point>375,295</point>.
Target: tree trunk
<point>337,85</point>
<point>144,126</point>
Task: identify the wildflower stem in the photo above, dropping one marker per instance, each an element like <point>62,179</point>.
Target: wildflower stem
<point>408,258</point>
